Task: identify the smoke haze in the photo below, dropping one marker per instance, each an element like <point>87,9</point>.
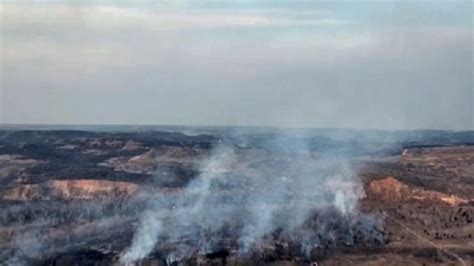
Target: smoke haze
<point>239,200</point>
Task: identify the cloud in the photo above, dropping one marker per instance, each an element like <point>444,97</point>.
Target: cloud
<point>160,19</point>
<point>180,66</point>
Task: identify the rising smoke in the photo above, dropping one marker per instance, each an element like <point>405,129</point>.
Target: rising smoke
<point>242,197</point>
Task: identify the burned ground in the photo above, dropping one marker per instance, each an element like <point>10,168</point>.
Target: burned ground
<point>76,197</point>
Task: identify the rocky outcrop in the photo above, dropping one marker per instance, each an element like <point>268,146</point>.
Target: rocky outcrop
<point>91,189</point>
<point>149,161</point>
<point>23,193</point>
<point>11,164</point>
<point>390,189</point>
<point>85,189</point>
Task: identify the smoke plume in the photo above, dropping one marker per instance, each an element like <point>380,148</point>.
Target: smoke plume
<point>243,197</point>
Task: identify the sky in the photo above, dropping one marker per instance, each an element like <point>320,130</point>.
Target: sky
<point>352,64</point>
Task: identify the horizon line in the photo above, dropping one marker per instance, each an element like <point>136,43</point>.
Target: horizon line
<point>225,126</point>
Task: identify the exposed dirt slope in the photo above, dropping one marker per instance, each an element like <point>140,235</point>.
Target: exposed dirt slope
<point>70,189</point>
<point>390,189</point>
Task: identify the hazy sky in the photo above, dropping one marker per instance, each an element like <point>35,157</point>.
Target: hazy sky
<point>379,64</point>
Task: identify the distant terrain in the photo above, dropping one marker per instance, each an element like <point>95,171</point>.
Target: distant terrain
<point>235,196</point>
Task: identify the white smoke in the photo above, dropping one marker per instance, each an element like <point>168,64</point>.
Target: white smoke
<point>251,195</point>
<point>28,245</point>
<point>145,238</point>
